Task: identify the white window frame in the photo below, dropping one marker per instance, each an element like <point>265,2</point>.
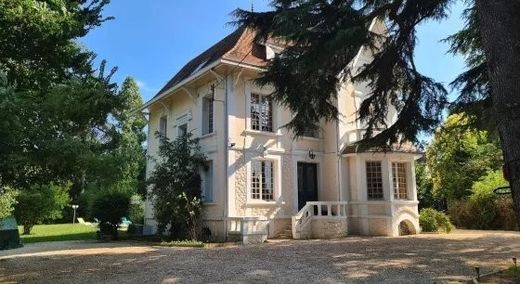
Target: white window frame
<point>267,119</point>
<point>205,118</point>
<point>160,128</point>
<point>277,176</point>
<point>183,119</point>
<point>382,180</point>
<point>274,110</point>
<point>395,190</point>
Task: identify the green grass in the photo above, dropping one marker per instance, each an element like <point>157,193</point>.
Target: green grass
<point>514,271</point>
<point>58,232</point>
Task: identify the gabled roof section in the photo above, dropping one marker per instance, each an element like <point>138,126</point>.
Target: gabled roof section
<point>239,46</point>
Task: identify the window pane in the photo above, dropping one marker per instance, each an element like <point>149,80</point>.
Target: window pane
<point>163,126</point>
<point>261,112</point>
<point>399,180</point>
<point>255,112</point>
<point>256,175</point>
<point>311,133</point>
<point>210,115</point>
<point>267,114</point>
<point>262,180</point>
<point>207,115</point>
<point>208,182</point>
<point>374,180</point>
<point>183,129</point>
<point>267,180</point>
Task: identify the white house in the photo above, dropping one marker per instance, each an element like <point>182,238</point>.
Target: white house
<point>261,182</point>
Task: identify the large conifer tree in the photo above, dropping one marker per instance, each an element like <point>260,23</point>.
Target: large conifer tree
<point>325,35</point>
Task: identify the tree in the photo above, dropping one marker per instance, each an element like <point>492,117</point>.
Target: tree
<point>484,209</point>
<point>109,208</point>
<point>41,203</point>
<point>325,36</point>
<point>54,104</point>
<point>424,186</point>
<point>7,202</point>
<point>458,156</point>
<point>52,54</point>
<point>176,186</point>
<point>121,167</point>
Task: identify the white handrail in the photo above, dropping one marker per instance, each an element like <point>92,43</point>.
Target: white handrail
<point>333,209</point>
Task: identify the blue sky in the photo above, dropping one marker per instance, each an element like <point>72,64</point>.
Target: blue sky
<point>152,40</point>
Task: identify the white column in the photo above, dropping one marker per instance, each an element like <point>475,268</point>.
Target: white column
<point>412,183</point>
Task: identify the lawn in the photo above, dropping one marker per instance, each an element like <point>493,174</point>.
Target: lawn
<point>59,232</point>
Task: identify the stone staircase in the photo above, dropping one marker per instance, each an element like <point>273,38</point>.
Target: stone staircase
<point>285,234</point>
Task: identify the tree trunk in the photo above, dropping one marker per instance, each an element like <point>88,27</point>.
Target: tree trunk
<point>27,229</point>
<point>500,31</point>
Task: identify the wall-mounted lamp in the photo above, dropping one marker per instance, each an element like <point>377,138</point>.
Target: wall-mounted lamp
<point>312,155</point>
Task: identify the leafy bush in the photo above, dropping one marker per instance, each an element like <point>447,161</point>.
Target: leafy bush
<point>136,210</point>
<point>432,220</point>
<point>484,209</point>
<point>176,190</point>
<point>109,208</point>
<point>7,202</point>
<point>40,203</point>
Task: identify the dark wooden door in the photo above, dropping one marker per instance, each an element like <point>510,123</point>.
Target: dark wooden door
<point>307,183</point>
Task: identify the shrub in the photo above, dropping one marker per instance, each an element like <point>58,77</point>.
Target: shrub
<point>176,187</point>
<point>109,208</point>
<point>136,210</point>
<point>432,220</point>
<point>7,202</point>
<point>40,203</point>
<point>484,209</point>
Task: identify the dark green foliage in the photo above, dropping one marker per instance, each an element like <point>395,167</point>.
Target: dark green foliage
<point>484,209</point>
<point>7,202</point>
<point>460,155</point>
<point>54,105</point>
<point>324,38</point>
<point>109,208</point>
<point>61,119</point>
<point>176,187</point>
<point>432,220</point>
<point>136,210</point>
<point>38,47</point>
<point>473,84</point>
<point>40,203</point>
<point>424,186</point>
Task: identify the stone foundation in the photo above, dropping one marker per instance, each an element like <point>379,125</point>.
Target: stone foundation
<point>328,228</point>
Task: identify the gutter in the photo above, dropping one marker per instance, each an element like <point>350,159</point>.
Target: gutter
<point>179,85</point>
<point>197,75</point>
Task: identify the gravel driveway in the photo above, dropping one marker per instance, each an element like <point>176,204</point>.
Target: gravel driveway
<point>418,259</point>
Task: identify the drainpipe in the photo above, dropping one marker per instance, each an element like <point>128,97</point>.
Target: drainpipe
<point>226,156</point>
<point>221,79</point>
<point>338,176</point>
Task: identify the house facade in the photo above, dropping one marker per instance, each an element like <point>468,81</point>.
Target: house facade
<point>261,182</point>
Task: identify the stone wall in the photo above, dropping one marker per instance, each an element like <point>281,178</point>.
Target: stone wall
<point>240,188</point>
<point>329,228</point>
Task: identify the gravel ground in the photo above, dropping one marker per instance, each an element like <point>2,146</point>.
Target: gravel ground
<point>419,259</point>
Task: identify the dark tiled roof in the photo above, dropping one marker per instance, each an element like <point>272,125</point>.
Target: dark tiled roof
<point>237,46</point>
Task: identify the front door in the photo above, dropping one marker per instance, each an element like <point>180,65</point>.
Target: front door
<point>307,183</point>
